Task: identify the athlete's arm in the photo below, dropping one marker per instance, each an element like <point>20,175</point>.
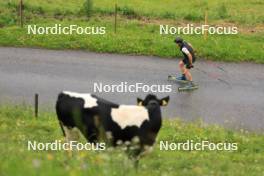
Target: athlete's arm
<point>190,58</point>
<point>185,50</point>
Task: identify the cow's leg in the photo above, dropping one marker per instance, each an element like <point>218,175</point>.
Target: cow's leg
<point>92,133</point>
<point>90,130</point>
<point>71,134</point>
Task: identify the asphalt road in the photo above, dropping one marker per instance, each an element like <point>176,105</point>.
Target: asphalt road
<point>229,94</point>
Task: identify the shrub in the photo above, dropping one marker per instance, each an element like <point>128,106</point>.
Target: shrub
<point>7,20</point>
<point>222,11</point>
<point>127,11</point>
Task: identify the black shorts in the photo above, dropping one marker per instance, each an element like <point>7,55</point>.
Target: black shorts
<point>187,62</point>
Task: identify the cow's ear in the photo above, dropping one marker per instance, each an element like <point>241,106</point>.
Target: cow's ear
<point>139,102</point>
<point>164,101</point>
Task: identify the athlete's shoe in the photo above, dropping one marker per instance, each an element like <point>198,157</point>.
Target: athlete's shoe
<point>190,85</point>
<point>181,78</point>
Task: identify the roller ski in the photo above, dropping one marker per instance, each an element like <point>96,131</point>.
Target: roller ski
<point>181,79</point>
<point>188,87</point>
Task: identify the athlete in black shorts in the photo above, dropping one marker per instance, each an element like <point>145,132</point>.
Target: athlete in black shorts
<point>187,62</point>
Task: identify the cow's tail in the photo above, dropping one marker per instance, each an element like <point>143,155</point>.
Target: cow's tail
<point>57,112</point>
<point>63,132</point>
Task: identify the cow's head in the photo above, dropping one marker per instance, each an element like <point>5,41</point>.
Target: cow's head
<point>152,101</point>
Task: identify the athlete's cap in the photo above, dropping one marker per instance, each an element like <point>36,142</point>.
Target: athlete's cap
<point>178,40</point>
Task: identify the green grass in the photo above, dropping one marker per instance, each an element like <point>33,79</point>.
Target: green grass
<point>138,27</point>
<point>238,11</point>
<point>17,126</point>
<point>135,37</point>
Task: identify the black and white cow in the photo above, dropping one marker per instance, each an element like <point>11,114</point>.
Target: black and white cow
<point>122,123</point>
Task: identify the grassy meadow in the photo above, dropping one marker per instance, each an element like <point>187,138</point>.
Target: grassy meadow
<point>237,11</point>
<point>17,126</point>
<point>138,27</point>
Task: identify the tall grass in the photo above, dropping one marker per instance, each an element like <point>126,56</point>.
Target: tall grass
<point>88,7</point>
<point>143,37</point>
<point>18,126</point>
<point>237,11</point>
<point>137,38</point>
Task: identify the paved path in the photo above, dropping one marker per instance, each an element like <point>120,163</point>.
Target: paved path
<point>230,94</point>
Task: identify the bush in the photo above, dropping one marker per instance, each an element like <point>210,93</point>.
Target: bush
<point>127,11</point>
<point>222,11</point>
<point>7,20</point>
<point>88,7</point>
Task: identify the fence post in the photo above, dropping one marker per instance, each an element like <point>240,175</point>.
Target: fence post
<point>115,17</point>
<point>21,13</point>
<point>36,105</point>
<point>206,23</point>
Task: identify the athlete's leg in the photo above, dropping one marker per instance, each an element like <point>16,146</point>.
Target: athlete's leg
<point>183,70</point>
<point>182,67</point>
<point>188,74</point>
